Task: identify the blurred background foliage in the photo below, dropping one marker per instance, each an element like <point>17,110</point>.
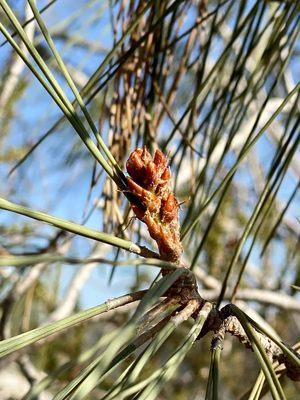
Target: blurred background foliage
<point>206,82</point>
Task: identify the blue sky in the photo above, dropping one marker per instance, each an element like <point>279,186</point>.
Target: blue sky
<point>44,182</point>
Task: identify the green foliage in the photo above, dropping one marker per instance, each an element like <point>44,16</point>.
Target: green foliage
<point>214,85</point>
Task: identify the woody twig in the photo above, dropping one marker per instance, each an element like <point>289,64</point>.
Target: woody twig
<point>154,203</point>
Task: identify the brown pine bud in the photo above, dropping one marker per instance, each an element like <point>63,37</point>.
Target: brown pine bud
<point>155,203</point>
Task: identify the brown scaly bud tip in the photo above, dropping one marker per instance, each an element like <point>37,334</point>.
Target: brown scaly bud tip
<point>149,182</point>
